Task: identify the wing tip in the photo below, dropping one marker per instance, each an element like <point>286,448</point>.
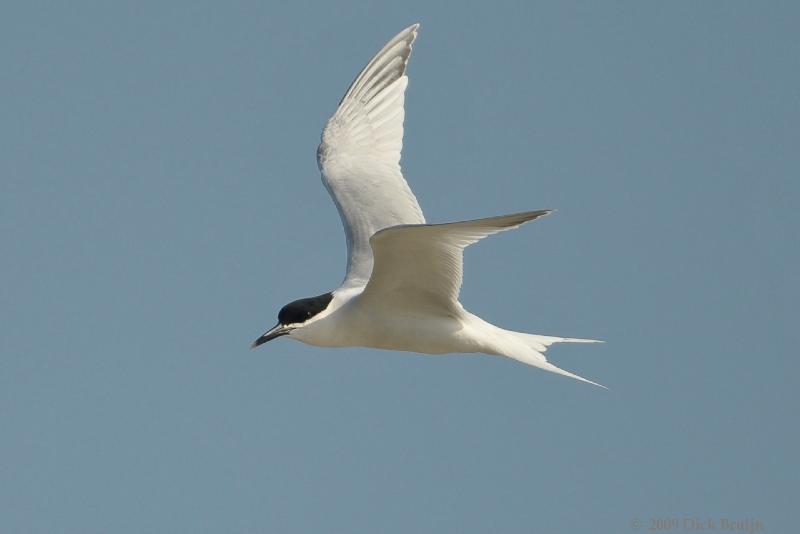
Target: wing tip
<point>517,219</point>
<point>413,29</point>
<point>542,213</point>
<point>400,46</point>
<point>409,35</point>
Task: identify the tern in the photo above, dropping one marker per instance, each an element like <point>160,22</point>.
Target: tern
<point>403,277</point>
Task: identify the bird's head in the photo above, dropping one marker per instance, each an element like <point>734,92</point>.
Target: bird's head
<point>295,315</point>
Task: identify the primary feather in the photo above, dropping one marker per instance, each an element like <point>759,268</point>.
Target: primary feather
<point>359,155</point>
<point>423,264</point>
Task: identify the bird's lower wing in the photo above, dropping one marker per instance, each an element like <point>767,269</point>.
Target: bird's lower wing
<point>420,267</point>
<point>359,155</point>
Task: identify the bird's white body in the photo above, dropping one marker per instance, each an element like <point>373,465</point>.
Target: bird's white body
<point>352,323</point>
<point>403,275</point>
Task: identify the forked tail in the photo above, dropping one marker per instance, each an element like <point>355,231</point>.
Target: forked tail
<point>530,349</point>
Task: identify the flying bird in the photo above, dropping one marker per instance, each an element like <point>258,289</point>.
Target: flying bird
<point>403,276</point>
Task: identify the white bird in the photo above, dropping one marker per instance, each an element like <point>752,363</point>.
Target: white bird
<point>403,275</point>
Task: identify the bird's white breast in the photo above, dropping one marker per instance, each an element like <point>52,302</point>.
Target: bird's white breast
<point>355,324</point>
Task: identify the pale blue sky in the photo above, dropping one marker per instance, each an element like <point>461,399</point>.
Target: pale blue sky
<point>159,202</point>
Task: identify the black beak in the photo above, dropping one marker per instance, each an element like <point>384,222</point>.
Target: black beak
<point>278,331</point>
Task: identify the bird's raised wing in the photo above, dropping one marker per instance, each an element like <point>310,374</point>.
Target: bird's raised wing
<point>420,267</point>
<point>359,155</point>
